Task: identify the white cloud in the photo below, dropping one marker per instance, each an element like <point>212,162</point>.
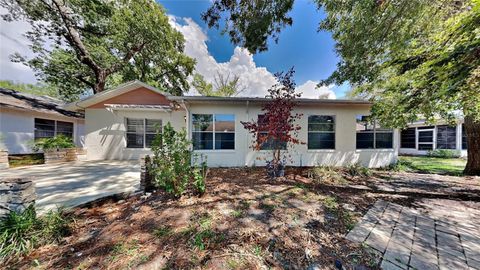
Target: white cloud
<point>12,41</point>
<point>310,90</point>
<point>256,80</point>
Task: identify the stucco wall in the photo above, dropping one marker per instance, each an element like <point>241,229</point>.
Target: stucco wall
<point>17,129</point>
<point>105,132</point>
<point>105,137</point>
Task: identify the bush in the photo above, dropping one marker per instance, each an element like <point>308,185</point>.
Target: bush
<point>443,153</point>
<point>53,143</point>
<point>171,165</point>
<point>19,233</point>
<point>356,169</point>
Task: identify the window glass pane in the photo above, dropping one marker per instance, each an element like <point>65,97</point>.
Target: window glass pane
<point>425,136</point>
<point>202,122</point>
<point>134,140</point>
<point>271,144</point>
<point>364,127</point>
<point>225,122</point>
<point>321,123</point>
<point>407,138</point>
<point>149,138</point>
<point>446,137</point>
<point>317,140</point>
<point>44,128</point>
<point>384,140</point>
<point>464,138</point>
<point>224,140</point>
<point>202,140</point>
<point>153,125</point>
<point>65,128</point>
<point>135,125</point>
<point>365,140</point>
<point>427,127</point>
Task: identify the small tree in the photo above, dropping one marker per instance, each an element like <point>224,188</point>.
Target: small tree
<point>277,127</point>
<point>171,164</point>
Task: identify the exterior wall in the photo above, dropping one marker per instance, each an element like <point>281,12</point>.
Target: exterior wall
<point>415,152</point>
<point>17,129</point>
<point>106,136</point>
<point>106,131</point>
<point>345,151</point>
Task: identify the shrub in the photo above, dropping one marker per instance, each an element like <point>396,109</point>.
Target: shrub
<point>325,174</point>
<point>19,233</point>
<point>357,170</point>
<point>53,143</point>
<point>443,153</point>
<point>171,165</point>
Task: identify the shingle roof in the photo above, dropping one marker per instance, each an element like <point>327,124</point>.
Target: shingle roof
<point>44,104</point>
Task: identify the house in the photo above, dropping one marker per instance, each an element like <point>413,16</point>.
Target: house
<point>420,138</point>
<point>121,124</point>
<point>25,118</point>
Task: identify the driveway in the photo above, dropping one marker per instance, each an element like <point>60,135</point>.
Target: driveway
<point>71,184</point>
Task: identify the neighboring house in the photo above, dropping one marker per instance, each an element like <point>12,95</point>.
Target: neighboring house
<point>419,138</point>
<point>120,124</point>
<point>25,118</point>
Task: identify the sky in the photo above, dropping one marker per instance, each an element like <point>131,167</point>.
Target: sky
<point>301,46</point>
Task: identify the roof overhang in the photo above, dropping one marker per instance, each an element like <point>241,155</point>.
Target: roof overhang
<point>241,100</point>
<point>137,107</point>
<point>105,95</point>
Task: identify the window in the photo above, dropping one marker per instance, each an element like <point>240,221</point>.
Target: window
<point>141,132</point>
<point>45,128</point>
<point>213,131</point>
<point>270,144</point>
<point>408,138</point>
<point>425,139</point>
<point>446,137</point>
<point>65,128</point>
<point>464,138</point>
<point>371,136</point>
<point>321,132</point>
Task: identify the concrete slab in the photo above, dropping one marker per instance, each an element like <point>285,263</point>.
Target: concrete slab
<point>71,184</point>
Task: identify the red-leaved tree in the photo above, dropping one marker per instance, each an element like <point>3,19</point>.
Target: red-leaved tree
<point>277,128</point>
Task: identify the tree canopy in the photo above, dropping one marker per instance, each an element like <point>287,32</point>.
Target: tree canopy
<point>223,85</point>
<point>413,58</point>
<point>35,89</point>
<point>96,44</point>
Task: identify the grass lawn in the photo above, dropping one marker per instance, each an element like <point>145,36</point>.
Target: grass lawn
<point>423,164</point>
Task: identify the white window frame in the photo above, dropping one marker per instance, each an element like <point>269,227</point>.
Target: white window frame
<point>374,131</point>
<point>55,133</point>
<point>213,132</point>
<point>144,131</point>
<point>334,132</point>
<point>434,138</point>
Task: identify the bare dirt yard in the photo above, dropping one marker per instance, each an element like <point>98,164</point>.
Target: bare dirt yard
<point>244,221</point>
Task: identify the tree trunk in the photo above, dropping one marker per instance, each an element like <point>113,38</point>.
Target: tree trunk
<point>472,130</point>
<point>101,80</point>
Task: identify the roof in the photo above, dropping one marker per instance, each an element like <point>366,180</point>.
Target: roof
<point>27,102</point>
<point>121,89</point>
<point>205,99</point>
<point>132,85</point>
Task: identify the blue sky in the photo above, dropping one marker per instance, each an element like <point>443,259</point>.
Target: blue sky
<point>301,45</point>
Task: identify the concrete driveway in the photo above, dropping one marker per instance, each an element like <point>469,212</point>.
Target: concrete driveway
<point>71,184</point>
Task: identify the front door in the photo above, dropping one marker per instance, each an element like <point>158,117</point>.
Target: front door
<point>425,139</point>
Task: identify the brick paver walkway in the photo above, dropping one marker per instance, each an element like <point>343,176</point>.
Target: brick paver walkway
<point>439,234</point>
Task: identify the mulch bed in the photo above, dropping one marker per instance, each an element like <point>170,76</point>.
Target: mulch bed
<point>244,221</point>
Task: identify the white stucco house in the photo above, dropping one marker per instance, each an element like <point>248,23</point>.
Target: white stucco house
<point>120,124</point>
<point>25,117</point>
<point>419,138</point>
